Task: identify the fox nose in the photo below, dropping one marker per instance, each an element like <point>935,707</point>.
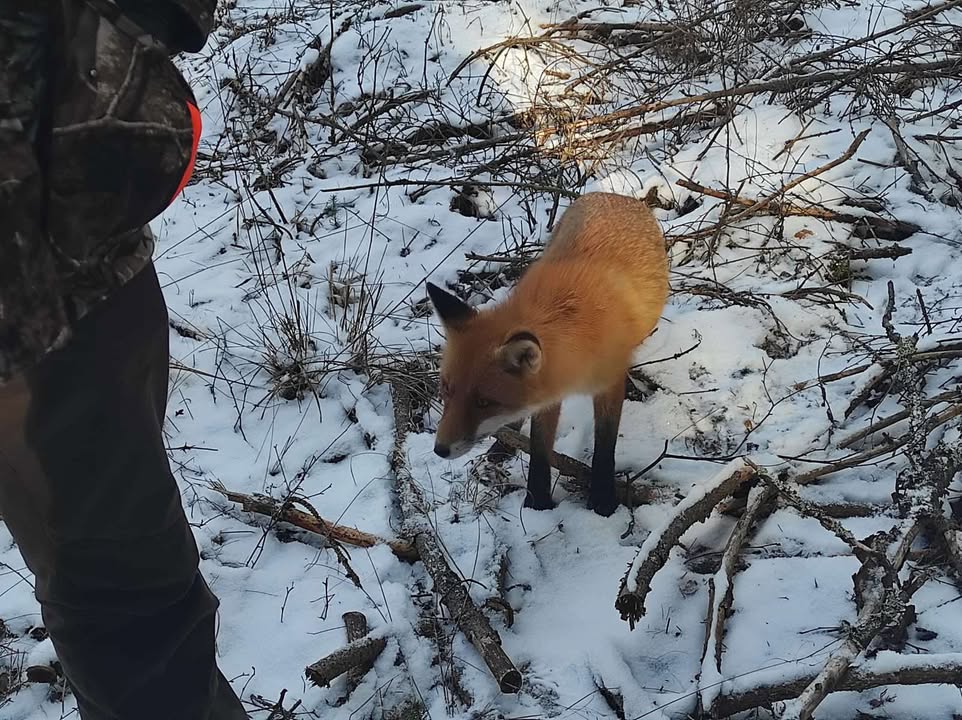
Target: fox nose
<point>442,450</point>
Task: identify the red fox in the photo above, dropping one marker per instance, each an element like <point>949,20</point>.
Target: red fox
<point>569,327</point>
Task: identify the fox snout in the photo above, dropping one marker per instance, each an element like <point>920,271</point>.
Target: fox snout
<point>453,451</point>
<point>448,446</point>
<point>456,437</point>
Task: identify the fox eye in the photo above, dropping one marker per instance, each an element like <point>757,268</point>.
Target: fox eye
<point>483,402</point>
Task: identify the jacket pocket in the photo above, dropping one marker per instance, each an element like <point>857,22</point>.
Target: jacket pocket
<point>125,135</point>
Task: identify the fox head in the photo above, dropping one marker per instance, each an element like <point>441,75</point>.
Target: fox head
<point>490,371</point>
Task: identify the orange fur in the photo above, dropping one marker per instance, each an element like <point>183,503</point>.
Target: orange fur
<point>582,308</point>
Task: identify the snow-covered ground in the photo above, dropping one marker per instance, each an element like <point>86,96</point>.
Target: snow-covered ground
<point>294,274</point>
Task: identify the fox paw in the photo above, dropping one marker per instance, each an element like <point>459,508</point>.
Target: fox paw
<point>604,505</point>
<point>539,503</point>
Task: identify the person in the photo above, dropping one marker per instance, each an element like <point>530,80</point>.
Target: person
<point>98,134</point>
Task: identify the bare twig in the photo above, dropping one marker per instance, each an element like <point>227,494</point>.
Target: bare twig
<point>784,84</point>
<point>912,18</point>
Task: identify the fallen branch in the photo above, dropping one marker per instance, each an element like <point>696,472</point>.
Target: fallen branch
<point>707,675</point>
<point>284,512</point>
<point>764,202</point>
<point>469,619</point>
<point>882,604</point>
<point>789,495</point>
<point>881,597</point>
<point>696,507</point>
<point>392,103</point>
<point>759,504</point>
<point>360,653</point>
<point>562,463</point>
<point>905,157</point>
<point>892,252</point>
<point>905,670</point>
<point>865,225</point>
<point>681,119</point>
<point>885,422</point>
<point>430,627</point>
<point>842,509</point>
<point>606,28</point>
<point>402,11</point>
<point>314,74</point>
<point>833,466</point>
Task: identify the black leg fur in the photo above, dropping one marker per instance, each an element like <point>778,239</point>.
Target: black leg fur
<point>601,495</point>
<point>543,428</point>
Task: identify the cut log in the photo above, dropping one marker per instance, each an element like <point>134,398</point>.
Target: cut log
<point>360,653</point>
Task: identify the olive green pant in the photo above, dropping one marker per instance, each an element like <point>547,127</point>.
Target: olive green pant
<point>87,492</point>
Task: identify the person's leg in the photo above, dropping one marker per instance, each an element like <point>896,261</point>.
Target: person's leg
<point>87,492</point>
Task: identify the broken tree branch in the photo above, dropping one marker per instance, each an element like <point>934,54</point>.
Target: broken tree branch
<point>902,670</point>
<point>721,593</point>
<point>564,464</point>
<point>789,495</point>
<point>469,619</point>
<point>759,504</point>
<point>865,225</point>
<point>882,603</point>
<point>885,422</point>
<point>284,512</point>
<point>764,202</point>
<point>833,466</point>
<point>696,507</point>
<point>949,536</point>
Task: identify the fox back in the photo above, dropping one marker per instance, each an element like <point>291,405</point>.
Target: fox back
<point>570,326</point>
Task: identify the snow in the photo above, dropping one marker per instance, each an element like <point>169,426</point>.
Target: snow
<point>239,251</point>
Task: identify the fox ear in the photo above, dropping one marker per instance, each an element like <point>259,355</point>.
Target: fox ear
<point>521,353</point>
<point>452,310</point>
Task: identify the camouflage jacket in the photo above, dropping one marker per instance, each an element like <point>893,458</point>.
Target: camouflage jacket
<point>98,134</point>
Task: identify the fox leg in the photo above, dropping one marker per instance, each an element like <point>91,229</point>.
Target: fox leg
<point>543,428</point>
<point>608,404</point>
